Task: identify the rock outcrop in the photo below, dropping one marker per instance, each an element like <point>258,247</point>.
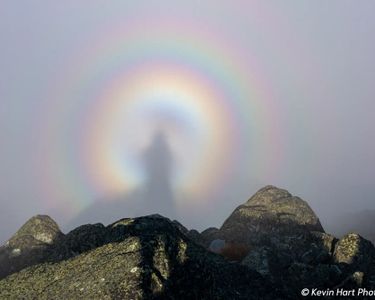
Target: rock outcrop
<point>355,252</point>
<point>271,211</point>
<point>271,247</point>
<point>30,245</point>
<point>141,258</point>
<point>287,244</point>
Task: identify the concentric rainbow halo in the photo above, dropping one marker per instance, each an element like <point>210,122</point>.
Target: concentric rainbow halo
<point>212,104</point>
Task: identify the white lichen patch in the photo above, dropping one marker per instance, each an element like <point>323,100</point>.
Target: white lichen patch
<point>133,244</point>
<point>44,237</point>
<point>16,252</point>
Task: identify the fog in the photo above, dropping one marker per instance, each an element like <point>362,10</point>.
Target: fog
<point>155,197</point>
<point>184,108</point>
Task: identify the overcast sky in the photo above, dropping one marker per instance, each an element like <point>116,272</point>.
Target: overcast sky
<point>226,96</point>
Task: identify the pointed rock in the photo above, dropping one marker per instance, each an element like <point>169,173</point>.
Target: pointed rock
<point>40,228</point>
<point>30,245</point>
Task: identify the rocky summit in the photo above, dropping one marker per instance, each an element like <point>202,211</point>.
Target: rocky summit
<point>29,245</point>
<point>141,258</point>
<point>271,247</point>
<point>271,211</point>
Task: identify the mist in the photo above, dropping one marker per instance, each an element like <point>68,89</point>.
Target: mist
<point>184,109</point>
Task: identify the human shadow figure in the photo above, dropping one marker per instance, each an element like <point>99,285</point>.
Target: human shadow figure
<point>158,161</point>
<point>155,196</point>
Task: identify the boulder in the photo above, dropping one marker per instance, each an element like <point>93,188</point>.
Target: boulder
<point>271,211</point>
<point>355,252</point>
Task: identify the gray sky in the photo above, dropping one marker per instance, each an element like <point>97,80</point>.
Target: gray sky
<point>307,124</point>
